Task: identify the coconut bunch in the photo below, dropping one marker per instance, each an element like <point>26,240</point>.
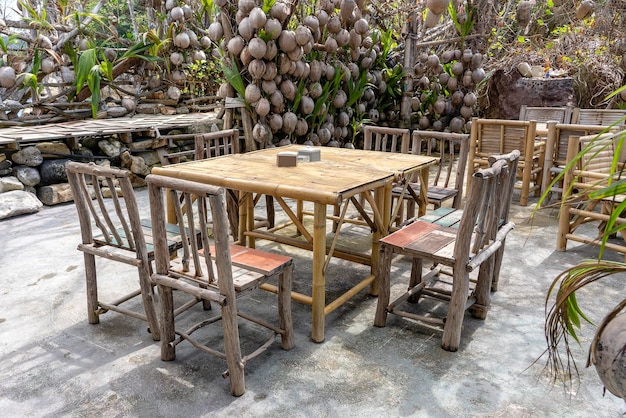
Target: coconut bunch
<point>186,46</point>
<point>288,62</point>
<point>444,97</point>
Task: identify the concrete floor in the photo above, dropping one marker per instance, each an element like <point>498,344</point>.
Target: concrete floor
<point>53,363</point>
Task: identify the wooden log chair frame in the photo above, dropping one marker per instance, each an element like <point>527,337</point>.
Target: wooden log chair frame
<point>474,244</point>
<point>112,229</point>
<point>448,179</point>
<point>212,269</point>
<point>225,142</point>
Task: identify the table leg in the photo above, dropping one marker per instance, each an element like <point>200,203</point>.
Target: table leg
<point>424,178</point>
<point>243,218</point>
<point>382,197</point>
<point>319,275</point>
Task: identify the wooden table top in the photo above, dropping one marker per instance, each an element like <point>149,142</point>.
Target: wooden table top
<point>340,174</point>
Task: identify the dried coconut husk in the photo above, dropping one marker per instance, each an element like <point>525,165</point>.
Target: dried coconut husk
<point>257,68</point>
<point>342,37</point>
<point>361,26</point>
<point>288,89</point>
<point>253,93</point>
<point>275,122</point>
<point>287,41</point>
<point>302,127</point>
<point>257,18</point>
<point>268,86</point>
<point>236,45</point>
<point>272,50</point>
<point>257,48</point>
<point>280,11</point>
<point>289,122</point>
<point>273,28</point>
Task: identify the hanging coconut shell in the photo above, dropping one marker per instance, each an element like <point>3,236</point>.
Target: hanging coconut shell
<point>257,48</point>
<point>257,18</point>
<point>289,122</point>
<point>7,77</point>
<point>253,93</point>
<point>522,14</point>
<point>245,6</point>
<point>273,28</point>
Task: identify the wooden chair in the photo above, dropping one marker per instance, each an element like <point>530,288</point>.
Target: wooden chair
<point>384,139</point>
<point>604,117</point>
<point>112,229</point>
<point>546,114</point>
<point>213,270</point>
<point>583,176</point>
<point>499,136</point>
<point>464,249</point>
<point>225,142</point>
<point>556,149</point>
<point>449,178</point>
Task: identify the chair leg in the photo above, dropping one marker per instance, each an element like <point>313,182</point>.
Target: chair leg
<point>482,292</point>
<point>284,308</point>
<point>271,214</point>
<point>166,300</point>
<point>92,288</point>
<point>384,289</point>
<point>416,278</point>
<point>147,296</point>
<point>232,348</point>
<point>454,321</point>
<point>232,208</point>
<point>497,264</point>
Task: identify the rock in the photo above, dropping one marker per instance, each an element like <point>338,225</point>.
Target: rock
<point>30,156</point>
<point>137,181</point>
<point>5,168</point>
<point>30,189</point>
<point>116,111</point>
<point>129,104</point>
<point>182,110</point>
<point>136,165</point>
<point>29,176</point>
<point>53,149</point>
<point>148,108</point>
<point>168,110</point>
<point>111,147</point>
<point>508,91</point>
<point>55,194</point>
<point>53,171</point>
<point>18,202</point>
<point>10,183</point>
<point>150,158</point>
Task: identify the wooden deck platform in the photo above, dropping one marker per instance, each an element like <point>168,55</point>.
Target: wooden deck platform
<point>18,137</point>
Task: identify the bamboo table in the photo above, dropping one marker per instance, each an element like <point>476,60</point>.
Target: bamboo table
<point>339,178</point>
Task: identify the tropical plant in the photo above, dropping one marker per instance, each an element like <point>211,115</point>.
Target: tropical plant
<point>564,316</point>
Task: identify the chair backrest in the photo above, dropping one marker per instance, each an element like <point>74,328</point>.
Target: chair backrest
<point>605,117</point>
<point>546,114</point>
<point>107,207</point>
<point>214,144</point>
<point>500,136</point>
<point>559,134</point>
<point>482,212</point>
<point>512,160</point>
<point>382,138</point>
<point>452,150</point>
<point>197,261</point>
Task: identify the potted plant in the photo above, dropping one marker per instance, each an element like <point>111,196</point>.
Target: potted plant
<point>607,351</point>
